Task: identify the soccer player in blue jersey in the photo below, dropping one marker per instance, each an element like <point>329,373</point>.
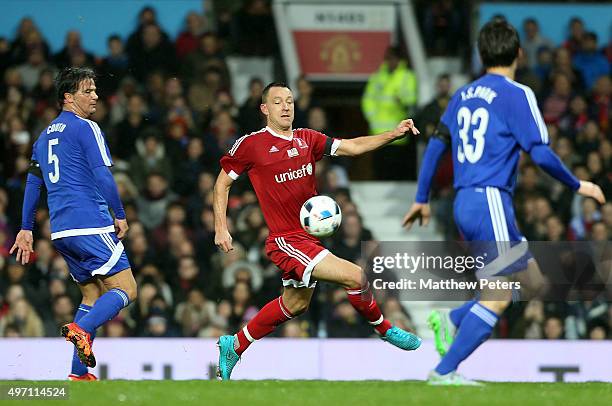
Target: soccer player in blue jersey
<point>72,159</point>
<point>487,123</point>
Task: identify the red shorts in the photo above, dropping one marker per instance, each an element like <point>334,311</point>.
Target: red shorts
<point>296,256</point>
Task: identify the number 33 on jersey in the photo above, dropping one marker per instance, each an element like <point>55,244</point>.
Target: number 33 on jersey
<point>490,121</point>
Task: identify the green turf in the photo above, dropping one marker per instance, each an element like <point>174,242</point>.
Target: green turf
<point>319,393</point>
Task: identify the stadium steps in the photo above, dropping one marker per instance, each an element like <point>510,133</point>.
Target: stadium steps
<point>382,206</point>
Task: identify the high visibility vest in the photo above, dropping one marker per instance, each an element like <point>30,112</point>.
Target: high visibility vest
<point>388,98</point>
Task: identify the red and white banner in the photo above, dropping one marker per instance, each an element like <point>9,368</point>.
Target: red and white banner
<point>340,41</point>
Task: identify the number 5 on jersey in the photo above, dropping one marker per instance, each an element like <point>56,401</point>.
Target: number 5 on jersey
<point>467,119</point>
<point>54,159</point>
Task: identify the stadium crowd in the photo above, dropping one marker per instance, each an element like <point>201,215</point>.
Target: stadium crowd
<point>168,115</point>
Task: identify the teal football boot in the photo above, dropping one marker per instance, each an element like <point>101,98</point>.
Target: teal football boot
<point>227,357</point>
<point>402,339</point>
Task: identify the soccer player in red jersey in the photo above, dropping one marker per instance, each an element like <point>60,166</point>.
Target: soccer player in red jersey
<point>280,162</point>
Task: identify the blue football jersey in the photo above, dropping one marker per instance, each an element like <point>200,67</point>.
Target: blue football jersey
<point>490,120</point>
<point>67,151</point>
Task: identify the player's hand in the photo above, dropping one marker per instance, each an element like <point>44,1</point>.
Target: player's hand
<point>420,211</point>
<point>405,126</point>
<point>223,240</point>
<point>589,189</point>
<point>24,243</point>
<point>121,228</point>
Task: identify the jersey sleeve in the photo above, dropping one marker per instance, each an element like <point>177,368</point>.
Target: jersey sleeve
<point>94,145</point>
<point>525,121</point>
<point>447,116</point>
<point>322,145</point>
<point>237,160</point>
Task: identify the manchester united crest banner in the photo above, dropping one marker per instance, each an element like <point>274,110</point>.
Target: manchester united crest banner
<point>340,41</point>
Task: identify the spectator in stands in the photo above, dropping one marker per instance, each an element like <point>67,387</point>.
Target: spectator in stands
<point>21,315</point>
<point>557,103</point>
<point>146,16</point>
<point>601,102</point>
<point>553,328</point>
<point>254,33</point>
<point>590,62</point>
<point>72,47</point>
<point>389,97</point>
<point>442,27</point>
<point>533,41</point>
<point>430,114</point>
<point>150,158</point>
<point>113,68</point>
<point>563,64</point>
<point>531,324</point>
<point>28,38</point>
<point>196,313</point>
<point>131,128</point>
<point>155,53</point>
<point>581,225</point>
<point>154,200</point>
<point>241,304</point>
<point>207,55</point>
<point>62,313</point>
<point>304,103</point>
<point>345,322</point>
<point>188,40</point>
<point>573,43</point>
<point>31,70</point>
<point>250,118</point>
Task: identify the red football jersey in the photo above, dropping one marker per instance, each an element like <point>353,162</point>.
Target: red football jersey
<point>282,171</point>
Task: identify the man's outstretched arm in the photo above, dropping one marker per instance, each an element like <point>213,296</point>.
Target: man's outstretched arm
<point>436,147</point>
<point>546,159</point>
<point>360,145</point>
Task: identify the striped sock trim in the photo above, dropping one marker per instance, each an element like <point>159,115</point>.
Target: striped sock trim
<point>123,295</point>
<point>285,311</point>
<point>248,335</point>
<point>484,314</point>
<point>358,291</point>
<point>377,322</point>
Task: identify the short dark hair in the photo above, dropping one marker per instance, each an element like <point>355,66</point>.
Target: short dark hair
<point>498,44</point>
<point>264,94</point>
<point>68,80</point>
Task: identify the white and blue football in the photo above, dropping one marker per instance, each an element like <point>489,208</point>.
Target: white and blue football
<point>320,216</point>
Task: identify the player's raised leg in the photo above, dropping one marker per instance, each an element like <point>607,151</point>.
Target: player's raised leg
<point>292,303</point>
<point>90,290</point>
<point>353,279</point>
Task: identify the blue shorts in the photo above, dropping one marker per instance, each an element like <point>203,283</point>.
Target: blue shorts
<point>485,215</point>
<point>91,255</point>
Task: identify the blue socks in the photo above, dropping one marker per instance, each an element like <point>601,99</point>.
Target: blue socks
<point>456,315</point>
<point>105,308</point>
<point>476,327</point>
<point>78,368</point>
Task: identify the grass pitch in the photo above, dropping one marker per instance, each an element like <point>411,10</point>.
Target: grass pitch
<point>320,393</point>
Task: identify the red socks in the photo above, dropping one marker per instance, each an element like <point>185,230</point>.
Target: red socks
<point>363,301</point>
<point>265,321</point>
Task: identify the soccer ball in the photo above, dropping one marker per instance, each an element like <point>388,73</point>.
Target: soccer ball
<point>320,216</point>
